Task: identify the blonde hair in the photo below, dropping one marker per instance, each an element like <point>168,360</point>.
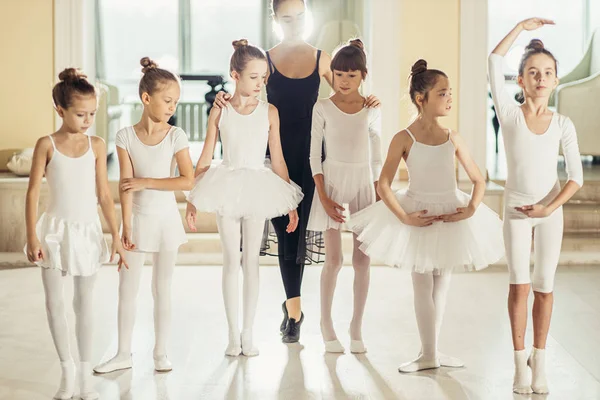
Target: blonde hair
<point>153,76</point>
<point>242,54</point>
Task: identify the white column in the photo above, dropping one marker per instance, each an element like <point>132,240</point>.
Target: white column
<point>473,84</point>
<point>385,55</point>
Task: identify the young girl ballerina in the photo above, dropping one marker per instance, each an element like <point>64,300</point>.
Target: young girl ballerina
<point>293,79</point>
<point>68,239</point>
<point>242,191</point>
<point>151,219</point>
<point>348,175</point>
<point>432,227</point>
<point>533,197</point>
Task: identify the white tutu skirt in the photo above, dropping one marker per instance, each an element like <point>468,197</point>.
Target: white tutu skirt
<point>348,184</point>
<point>472,244</point>
<point>256,193</point>
<point>152,232</point>
<point>76,248</point>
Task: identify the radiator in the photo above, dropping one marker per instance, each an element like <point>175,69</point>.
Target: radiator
<point>191,118</point>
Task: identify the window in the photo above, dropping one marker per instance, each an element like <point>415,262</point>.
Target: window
<point>132,29</point>
<point>217,23</point>
<point>566,41</point>
<point>129,30</point>
<point>193,37</point>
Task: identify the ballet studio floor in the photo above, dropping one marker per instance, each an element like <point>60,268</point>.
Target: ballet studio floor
<point>476,328</point>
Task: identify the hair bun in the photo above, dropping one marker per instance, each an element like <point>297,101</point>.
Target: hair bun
<point>147,63</point>
<point>71,74</point>
<point>535,44</point>
<point>419,67</point>
<point>357,43</point>
<point>239,43</point>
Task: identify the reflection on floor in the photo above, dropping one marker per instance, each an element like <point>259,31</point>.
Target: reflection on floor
<point>476,328</point>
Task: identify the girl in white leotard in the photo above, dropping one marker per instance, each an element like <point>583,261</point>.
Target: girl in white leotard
<point>533,197</point>
<point>151,219</point>
<point>432,227</point>
<point>242,191</point>
<point>348,135</point>
<point>68,238</point>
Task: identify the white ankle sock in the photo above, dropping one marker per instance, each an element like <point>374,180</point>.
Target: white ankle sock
<point>521,382</point>
<point>537,363</point>
<point>86,386</point>
<point>248,348</point>
<point>67,380</point>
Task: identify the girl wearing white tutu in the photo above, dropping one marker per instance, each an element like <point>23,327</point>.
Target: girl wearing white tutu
<point>533,197</point>
<point>242,191</point>
<point>431,227</point>
<point>151,219</point>
<point>351,136</point>
<point>68,238</point>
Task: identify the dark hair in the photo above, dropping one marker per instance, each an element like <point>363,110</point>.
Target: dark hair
<point>72,83</point>
<point>536,46</point>
<point>422,80</point>
<point>153,76</point>
<point>275,5</point>
<point>242,54</point>
<point>350,57</point>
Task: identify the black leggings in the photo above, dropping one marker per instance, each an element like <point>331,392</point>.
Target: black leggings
<point>287,249</point>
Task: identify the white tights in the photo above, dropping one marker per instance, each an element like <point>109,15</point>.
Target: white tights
<point>430,293</point>
<point>329,274</point>
<point>129,283</point>
<point>54,281</point>
<point>232,231</point>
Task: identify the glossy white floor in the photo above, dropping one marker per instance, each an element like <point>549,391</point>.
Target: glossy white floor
<point>476,329</point>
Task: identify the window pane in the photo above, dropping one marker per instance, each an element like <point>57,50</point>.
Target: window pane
<point>134,29</point>
<point>565,40</point>
<point>217,23</point>
<point>334,22</point>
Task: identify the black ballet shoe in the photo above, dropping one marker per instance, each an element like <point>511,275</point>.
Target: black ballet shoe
<point>284,323</point>
<point>292,334</point>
